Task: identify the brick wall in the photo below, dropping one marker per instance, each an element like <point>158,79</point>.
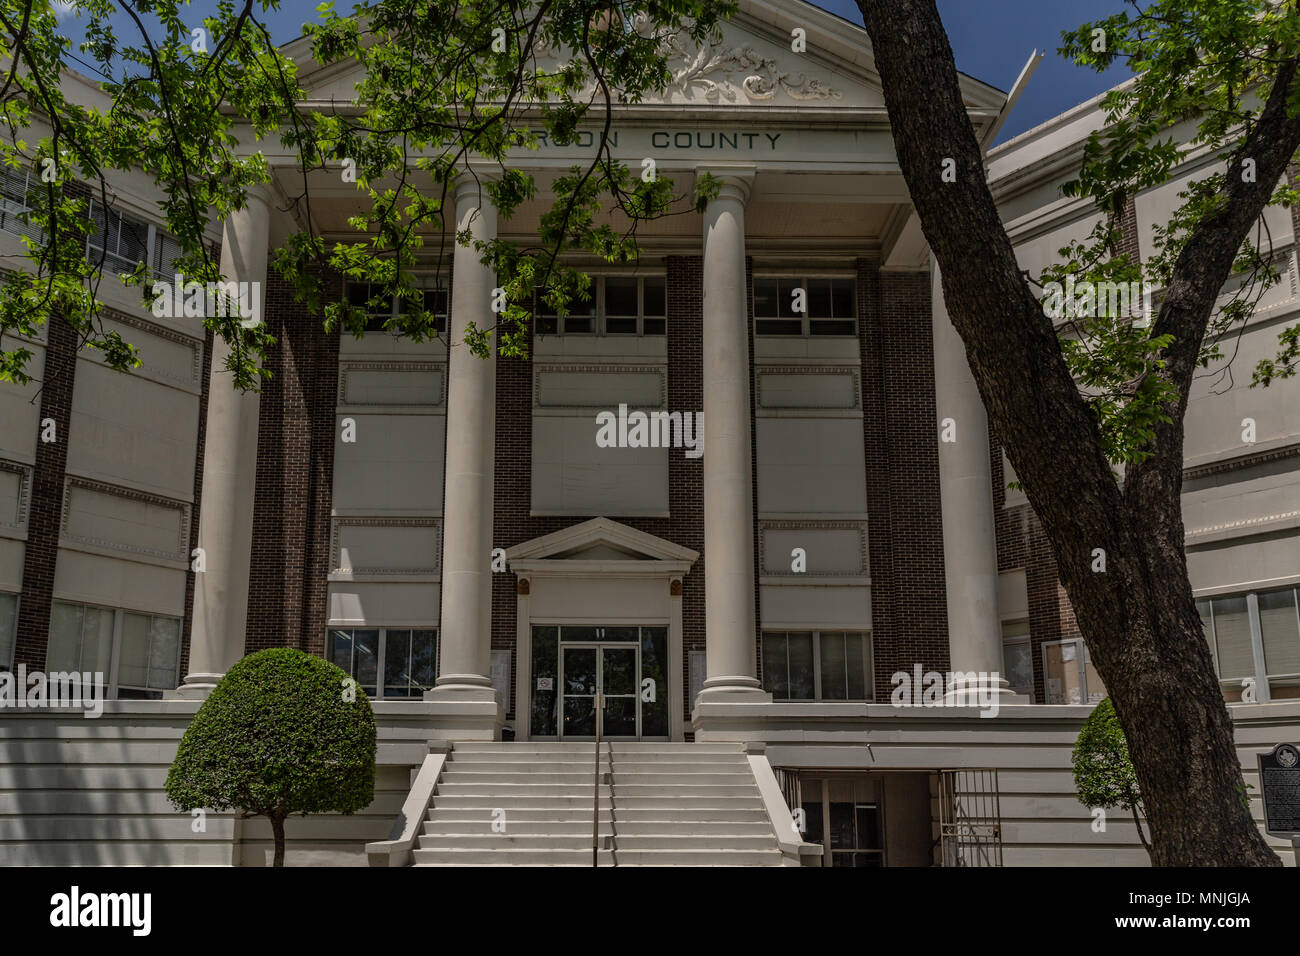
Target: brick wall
<point>1022,543</point>
<point>45,514</point>
<point>905,524</point>
<point>288,578</point>
<point>512,523</point>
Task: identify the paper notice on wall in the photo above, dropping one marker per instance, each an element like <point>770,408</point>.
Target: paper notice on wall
<point>546,683</point>
<point>1067,652</point>
<point>501,675</point>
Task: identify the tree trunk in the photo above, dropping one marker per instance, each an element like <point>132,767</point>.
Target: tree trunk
<point>277,828</point>
<point>1138,617</point>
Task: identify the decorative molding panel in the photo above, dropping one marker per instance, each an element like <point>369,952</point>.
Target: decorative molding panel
<point>641,386</point>
<point>716,73</point>
<point>776,387</point>
<point>378,384</point>
<point>15,494</point>
<point>133,522</point>
<point>812,526</point>
<point>186,371</point>
<point>411,546</point>
<point>1242,461</point>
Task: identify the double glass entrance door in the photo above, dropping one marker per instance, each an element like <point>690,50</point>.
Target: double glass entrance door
<point>605,670</point>
<point>627,666</point>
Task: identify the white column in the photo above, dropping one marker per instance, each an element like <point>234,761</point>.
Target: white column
<point>729,612</point>
<point>466,632</point>
<point>970,554</point>
<point>229,475</point>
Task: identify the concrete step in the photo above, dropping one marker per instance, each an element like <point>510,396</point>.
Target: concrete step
<point>490,802</point>
<point>627,817</point>
<point>669,777</point>
<point>585,746</point>
<point>482,826</point>
<point>580,857</point>
<point>456,788</point>
<point>578,841</point>
<point>587,758</point>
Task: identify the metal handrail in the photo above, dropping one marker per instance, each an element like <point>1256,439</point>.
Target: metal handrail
<point>595,797</point>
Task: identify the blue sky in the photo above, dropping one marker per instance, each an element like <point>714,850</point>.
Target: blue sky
<point>991,40</point>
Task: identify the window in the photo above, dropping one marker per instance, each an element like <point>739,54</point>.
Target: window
<point>619,305</point>
<point>842,812</point>
<point>8,626</point>
<point>382,310</point>
<point>828,306</point>
<point>817,665</point>
<point>1017,658</point>
<point>138,654</point>
<point>150,656</point>
<point>123,242</point>
<point>16,186</point>
<point>1247,631</point>
<point>1068,674</point>
<point>387,661</point>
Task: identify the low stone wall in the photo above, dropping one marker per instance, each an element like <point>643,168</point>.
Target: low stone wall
<point>1043,823</point>
<point>77,791</point>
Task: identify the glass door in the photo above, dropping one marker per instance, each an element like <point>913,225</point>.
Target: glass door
<point>611,672</point>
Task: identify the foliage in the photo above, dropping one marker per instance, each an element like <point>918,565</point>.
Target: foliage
<point>1203,74</point>
<point>283,732</point>
<point>1103,774</point>
<point>444,85</point>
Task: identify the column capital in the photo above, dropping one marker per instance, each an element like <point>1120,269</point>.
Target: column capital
<point>737,179</point>
<point>467,183</point>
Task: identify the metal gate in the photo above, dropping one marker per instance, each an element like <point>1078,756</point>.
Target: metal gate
<point>970,818</point>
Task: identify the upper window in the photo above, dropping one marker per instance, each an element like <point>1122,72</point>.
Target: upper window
<point>387,661</point>
<point>122,242</point>
<point>1068,674</point>
<point>1245,628</point>
<point>817,665</point>
<point>8,626</point>
<point>804,306</point>
<point>619,305</point>
<point>1017,659</point>
<point>383,312</point>
<point>16,186</point>
<point>138,654</point>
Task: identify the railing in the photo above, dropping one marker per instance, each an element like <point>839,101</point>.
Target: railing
<point>595,787</point>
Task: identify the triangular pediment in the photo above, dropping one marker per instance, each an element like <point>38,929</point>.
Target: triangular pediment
<point>600,539</point>
<point>751,64</point>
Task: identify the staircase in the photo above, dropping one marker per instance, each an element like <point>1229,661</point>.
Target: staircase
<point>661,804</point>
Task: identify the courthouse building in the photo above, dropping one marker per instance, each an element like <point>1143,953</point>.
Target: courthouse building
<point>449,530</point>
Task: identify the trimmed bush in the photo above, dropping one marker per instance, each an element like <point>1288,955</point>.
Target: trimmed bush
<point>1103,772</point>
<point>283,732</point>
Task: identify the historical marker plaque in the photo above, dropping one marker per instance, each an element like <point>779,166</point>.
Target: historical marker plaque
<point>1279,784</point>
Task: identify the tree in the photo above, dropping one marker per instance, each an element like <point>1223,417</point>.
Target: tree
<point>446,80</point>
<point>1103,773</point>
<point>443,81</point>
<point>1232,66</point>
<point>283,732</point>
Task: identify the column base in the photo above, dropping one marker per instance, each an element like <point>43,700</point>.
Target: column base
<point>466,711</point>
<point>733,690</point>
<point>194,687</point>
<point>963,692</point>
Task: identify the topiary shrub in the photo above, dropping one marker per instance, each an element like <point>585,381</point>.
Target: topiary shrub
<point>283,732</point>
<point>1103,773</point>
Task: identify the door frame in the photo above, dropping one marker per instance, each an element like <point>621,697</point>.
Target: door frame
<point>624,554</point>
<point>600,648</point>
